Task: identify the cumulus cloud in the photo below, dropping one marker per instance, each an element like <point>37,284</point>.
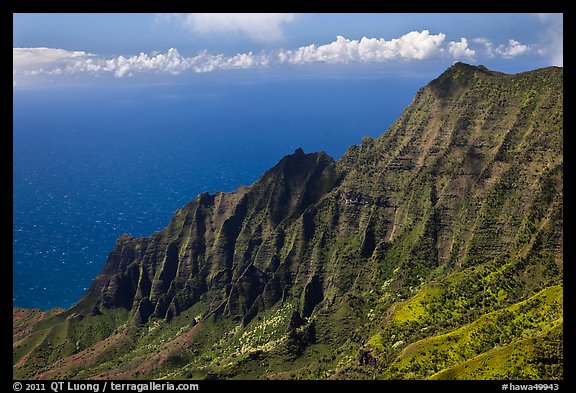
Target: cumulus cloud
<point>413,46</point>
<point>512,49</point>
<point>261,27</point>
<point>460,49</point>
<point>35,61</point>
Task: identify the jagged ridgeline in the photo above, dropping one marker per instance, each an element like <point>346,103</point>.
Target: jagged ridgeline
<point>434,251</point>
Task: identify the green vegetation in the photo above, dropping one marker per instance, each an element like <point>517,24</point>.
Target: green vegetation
<point>433,251</point>
<point>536,357</point>
<point>524,319</point>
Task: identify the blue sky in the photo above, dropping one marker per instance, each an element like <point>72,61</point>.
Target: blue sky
<point>61,49</point>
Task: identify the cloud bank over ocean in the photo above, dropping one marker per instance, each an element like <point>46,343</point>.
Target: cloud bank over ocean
<point>412,46</point>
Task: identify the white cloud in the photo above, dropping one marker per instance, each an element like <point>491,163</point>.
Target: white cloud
<point>44,61</point>
<point>32,58</point>
<point>261,27</point>
<point>513,49</point>
<point>486,44</point>
<point>413,46</point>
<point>460,49</point>
<point>552,44</point>
<point>545,17</point>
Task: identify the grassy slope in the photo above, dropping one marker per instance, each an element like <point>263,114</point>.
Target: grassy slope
<point>537,357</point>
<point>527,319</point>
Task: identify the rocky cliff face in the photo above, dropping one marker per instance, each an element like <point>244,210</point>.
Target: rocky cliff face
<point>223,248</point>
<point>413,256</point>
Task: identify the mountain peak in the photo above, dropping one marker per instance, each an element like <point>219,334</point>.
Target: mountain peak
<point>300,163</point>
<point>458,76</point>
<point>460,67</point>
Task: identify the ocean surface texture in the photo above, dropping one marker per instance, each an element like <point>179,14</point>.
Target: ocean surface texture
<point>91,164</point>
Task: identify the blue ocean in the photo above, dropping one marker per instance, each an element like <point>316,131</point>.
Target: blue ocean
<point>91,164</point>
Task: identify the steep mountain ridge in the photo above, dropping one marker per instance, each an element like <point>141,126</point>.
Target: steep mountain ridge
<point>211,245</point>
<point>325,269</point>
